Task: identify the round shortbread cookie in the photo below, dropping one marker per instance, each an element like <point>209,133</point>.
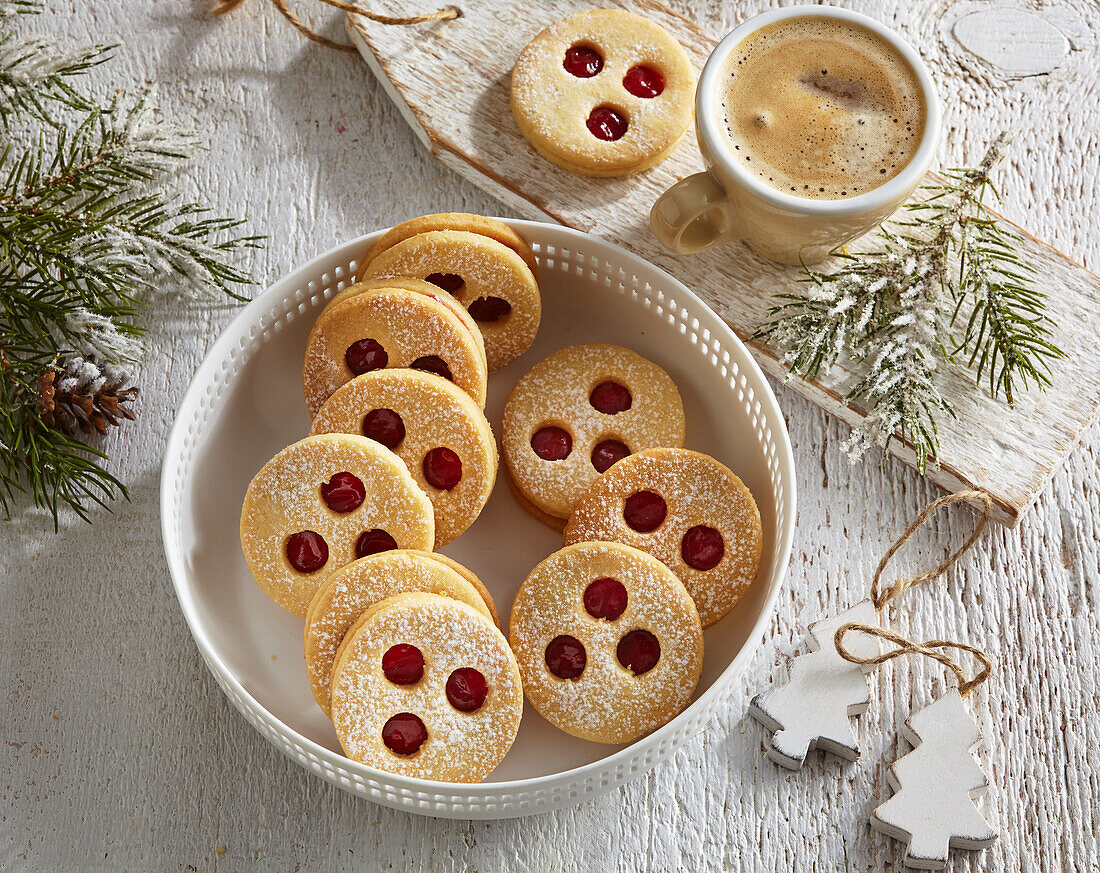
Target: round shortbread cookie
<point>608,641</point>
<point>349,591</point>
<point>451,720</point>
<point>603,93</point>
<point>321,503</point>
<point>577,412</point>
<point>421,287</point>
<point>467,221</point>
<point>389,327</point>
<point>686,509</point>
<point>488,278</point>
<point>434,427</point>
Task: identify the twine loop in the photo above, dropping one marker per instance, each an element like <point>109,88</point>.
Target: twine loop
<point>881,597</point>
<point>445,14</point>
<point>929,648</point>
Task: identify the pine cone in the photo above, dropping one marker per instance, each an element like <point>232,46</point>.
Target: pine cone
<point>86,395</point>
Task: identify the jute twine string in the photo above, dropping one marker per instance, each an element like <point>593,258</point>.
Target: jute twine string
<point>880,597</point>
<point>445,14</point>
<point>929,649</point>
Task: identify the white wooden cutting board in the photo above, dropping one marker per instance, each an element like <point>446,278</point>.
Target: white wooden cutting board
<point>450,80</point>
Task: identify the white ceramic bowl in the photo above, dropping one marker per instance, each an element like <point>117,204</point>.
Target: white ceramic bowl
<point>245,404</point>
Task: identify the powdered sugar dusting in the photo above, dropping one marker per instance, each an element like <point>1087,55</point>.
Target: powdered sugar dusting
<point>435,413</point>
<point>284,498</point>
<point>556,392</point>
<point>551,105</point>
<point>461,747</point>
<point>406,324</point>
<point>698,491</point>
<point>607,703</point>
<point>488,268</point>
<point>352,589</point>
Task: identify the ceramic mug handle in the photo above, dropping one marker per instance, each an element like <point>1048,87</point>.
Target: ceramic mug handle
<point>692,215</point>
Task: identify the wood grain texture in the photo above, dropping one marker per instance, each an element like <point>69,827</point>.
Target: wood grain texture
<point>147,767</point>
<point>451,81</point>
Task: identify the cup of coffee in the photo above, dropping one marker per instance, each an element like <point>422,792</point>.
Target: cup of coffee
<point>815,124</point>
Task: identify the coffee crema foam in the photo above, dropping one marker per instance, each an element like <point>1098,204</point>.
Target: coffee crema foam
<point>821,108</point>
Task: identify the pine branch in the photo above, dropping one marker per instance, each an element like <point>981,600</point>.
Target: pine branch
<point>34,74</point>
<point>89,230</point>
<point>892,310</point>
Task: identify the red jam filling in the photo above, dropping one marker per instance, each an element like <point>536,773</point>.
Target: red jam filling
<point>582,61</point>
<point>702,547</point>
<point>489,309</point>
<point>610,398</point>
<point>643,81</point>
<point>343,492</point>
<point>645,511</point>
<point>565,657</point>
<point>307,551</point>
<point>552,443</point>
<point>638,651</point>
<point>467,689</point>
<point>606,453</point>
<point>449,282</point>
<point>442,468</point>
<point>606,123</point>
<point>371,542</point>
<point>384,426</point>
<point>605,598</point>
<point>403,664</point>
<point>404,734</point>
<point>365,355</point>
<point>433,364</point>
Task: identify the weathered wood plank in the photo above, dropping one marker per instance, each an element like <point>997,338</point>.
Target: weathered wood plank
<point>450,81</point>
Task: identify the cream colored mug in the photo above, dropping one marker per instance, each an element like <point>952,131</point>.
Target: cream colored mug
<point>726,203</point>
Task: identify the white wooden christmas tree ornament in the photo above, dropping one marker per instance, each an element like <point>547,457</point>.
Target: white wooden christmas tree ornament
<point>814,708</point>
<point>935,786</point>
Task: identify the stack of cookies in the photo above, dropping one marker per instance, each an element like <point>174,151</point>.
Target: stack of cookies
<point>403,646</point>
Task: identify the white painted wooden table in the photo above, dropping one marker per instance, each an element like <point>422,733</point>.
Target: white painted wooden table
<point>119,752</point>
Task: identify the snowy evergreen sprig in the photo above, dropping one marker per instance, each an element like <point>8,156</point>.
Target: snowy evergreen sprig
<point>897,311</point>
<point>88,231</point>
<point>35,72</point>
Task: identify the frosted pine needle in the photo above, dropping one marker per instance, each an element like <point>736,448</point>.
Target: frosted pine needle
<point>897,311</point>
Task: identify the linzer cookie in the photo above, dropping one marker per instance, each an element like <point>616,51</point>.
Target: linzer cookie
<point>576,413</point>
<point>434,427</point>
<point>351,590</point>
<point>684,508</point>
<point>427,687</point>
<point>478,224</point>
<point>389,327</point>
<point>321,503</point>
<point>608,641</point>
<point>427,364</point>
<point>603,93</point>
<point>488,278</point>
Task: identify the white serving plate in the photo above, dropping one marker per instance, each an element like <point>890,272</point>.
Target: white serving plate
<point>245,404</point>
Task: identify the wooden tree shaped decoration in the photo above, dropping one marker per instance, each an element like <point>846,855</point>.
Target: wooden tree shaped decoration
<point>827,687</point>
<point>815,707</point>
<point>935,786</point>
